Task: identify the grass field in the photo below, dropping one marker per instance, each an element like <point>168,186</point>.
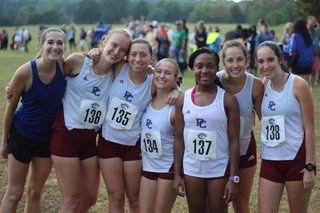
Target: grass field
<point>11,60</point>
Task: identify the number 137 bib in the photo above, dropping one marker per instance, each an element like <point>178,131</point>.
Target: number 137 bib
<point>202,145</point>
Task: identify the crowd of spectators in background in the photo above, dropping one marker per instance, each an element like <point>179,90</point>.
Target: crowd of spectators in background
<point>176,42</point>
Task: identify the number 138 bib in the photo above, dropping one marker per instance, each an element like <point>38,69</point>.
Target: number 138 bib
<point>121,114</point>
<point>272,130</point>
<point>202,145</point>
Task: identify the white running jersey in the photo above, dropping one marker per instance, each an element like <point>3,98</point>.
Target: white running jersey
<point>157,139</point>
<point>85,99</point>
<point>282,129</point>
<point>205,137</point>
<point>127,102</point>
<point>247,115</point>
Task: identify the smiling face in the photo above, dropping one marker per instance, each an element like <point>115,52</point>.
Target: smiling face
<point>139,57</point>
<point>115,47</point>
<point>53,45</point>
<point>235,61</point>
<point>166,74</point>
<point>205,69</point>
<point>268,62</point>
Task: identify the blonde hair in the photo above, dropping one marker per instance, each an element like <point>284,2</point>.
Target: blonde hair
<point>111,32</point>
<point>172,62</point>
<point>288,25</point>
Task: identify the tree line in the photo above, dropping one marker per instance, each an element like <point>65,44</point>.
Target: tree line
<point>30,12</point>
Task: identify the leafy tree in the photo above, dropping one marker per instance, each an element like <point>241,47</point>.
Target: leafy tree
<point>34,18</point>
<point>140,8</point>
<point>114,11</point>
<point>5,21</point>
<point>158,13</point>
<point>267,9</point>
<point>308,7</point>
<point>216,12</point>
<point>173,10</point>
<point>87,12</point>
<point>236,13</point>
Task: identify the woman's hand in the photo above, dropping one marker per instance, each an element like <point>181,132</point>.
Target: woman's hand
<point>94,54</point>
<point>8,91</point>
<point>3,149</point>
<point>178,186</point>
<point>230,191</point>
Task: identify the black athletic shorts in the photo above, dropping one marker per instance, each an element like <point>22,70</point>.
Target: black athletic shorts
<point>23,149</point>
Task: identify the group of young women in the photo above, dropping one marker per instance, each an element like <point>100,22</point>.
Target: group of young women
<point>204,142</point>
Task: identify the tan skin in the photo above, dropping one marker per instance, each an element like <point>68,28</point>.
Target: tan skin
<point>73,172</point>
<point>219,191</point>
<point>125,178</point>
<point>299,192</point>
<point>158,196</point>
<point>53,49</point>
<point>233,81</point>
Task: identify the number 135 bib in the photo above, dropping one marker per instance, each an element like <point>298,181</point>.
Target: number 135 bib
<point>121,114</point>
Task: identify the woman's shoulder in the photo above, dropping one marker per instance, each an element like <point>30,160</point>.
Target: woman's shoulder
<point>25,70</point>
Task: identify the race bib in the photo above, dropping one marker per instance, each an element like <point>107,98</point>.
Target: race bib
<point>273,130</point>
<point>92,112</point>
<point>151,143</point>
<point>121,114</point>
<point>202,145</point>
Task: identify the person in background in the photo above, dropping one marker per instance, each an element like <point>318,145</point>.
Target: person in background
<point>179,38</point>
<point>40,84</point>
<point>287,135</point>
<point>192,40</point>
<point>201,34</point>
<point>252,67</point>
<point>286,41</point>
<point>301,51</point>
<point>157,123</point>
<point>83,39</point>
<point>4,40</point>
<point>186,29</point>
<point>248,91</point>
<point>91,38</point>
<point>25,39</point>
<point>234,34</point>
<point>264,34</point>
<point>163,43</point>
<point>315,35</point>
<point>71,36</point>
<point>151,36</point>
<point>206,142</point>
<point>17,39</point>
<point>273,32</point>
<point>214,39</point>
<point>100,30</point>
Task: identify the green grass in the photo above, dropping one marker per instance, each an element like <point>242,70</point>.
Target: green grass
<point>11,60</point>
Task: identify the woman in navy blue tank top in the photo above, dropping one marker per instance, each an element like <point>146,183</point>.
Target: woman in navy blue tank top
<point>40,84</point>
